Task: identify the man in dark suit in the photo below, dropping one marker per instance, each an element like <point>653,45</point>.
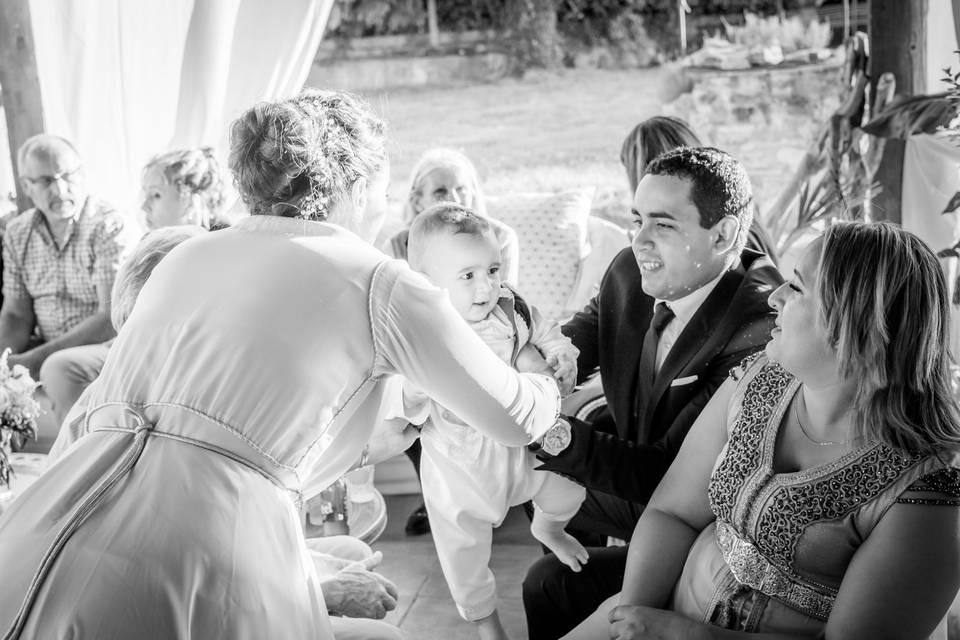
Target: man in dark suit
<point>675,312</point>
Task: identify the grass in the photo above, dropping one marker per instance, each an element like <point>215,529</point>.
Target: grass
<point>545,132</point>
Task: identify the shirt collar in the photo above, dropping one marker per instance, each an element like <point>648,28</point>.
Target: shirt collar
<point>684,308</point>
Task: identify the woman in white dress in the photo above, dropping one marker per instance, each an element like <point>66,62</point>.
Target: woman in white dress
<point>248,374</point>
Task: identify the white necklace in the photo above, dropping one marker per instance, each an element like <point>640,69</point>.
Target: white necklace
<point>819,443</point>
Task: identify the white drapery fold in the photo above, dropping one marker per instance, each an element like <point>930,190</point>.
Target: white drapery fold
<point>127,79</point>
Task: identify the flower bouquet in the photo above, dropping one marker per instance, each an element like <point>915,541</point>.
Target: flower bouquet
<point>18,411</point>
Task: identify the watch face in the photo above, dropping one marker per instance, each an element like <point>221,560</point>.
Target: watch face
<point>557,438</point>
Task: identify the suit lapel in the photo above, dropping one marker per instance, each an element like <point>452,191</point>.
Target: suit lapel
<point>702,326</point>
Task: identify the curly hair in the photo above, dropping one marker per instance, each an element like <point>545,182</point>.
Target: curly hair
<point>885,308</point>
<point>194,171</point>
<point>719,187</point>
<point>299,157</point>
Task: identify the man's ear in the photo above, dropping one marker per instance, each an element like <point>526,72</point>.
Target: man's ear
<point>358,194</point>
<point>726,231</point>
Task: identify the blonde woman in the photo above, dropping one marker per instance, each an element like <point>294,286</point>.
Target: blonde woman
<point>818,494</point>
<point>183,187</point>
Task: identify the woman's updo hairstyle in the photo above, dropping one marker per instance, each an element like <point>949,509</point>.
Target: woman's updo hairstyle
<point>192,171</point>
<point>300,156</point>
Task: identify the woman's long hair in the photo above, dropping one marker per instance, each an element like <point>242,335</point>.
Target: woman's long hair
<point>886,312</point>
<point>649,139</point>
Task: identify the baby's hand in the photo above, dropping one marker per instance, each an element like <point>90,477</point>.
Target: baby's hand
<point>529,360</point>
<point>565,373</point>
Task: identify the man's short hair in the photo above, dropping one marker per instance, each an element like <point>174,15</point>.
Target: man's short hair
<point>41,143</point>
<point>446,217</point>
<point>719,187</point>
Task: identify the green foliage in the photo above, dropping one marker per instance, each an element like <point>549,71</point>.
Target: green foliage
<point>952,79</point>
<point>584,18</point>
<point>359,18</point>
<point>469,15</point>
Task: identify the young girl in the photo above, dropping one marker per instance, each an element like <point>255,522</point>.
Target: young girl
<point>183,187</point>
<point>469,480</point>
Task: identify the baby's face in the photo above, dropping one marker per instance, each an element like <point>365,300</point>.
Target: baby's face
<point>468,267</point>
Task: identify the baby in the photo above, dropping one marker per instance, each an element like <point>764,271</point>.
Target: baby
<point>470,481</point>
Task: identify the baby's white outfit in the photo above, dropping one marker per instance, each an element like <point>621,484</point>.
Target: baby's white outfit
<point>470,481</point>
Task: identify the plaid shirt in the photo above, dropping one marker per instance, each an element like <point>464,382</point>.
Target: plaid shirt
<point>64,282</point>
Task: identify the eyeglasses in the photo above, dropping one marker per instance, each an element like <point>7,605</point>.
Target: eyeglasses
<point>45,182</point>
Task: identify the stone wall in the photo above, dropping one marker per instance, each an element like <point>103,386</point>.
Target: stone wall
<point>392,62</point>
<point>767,117</point>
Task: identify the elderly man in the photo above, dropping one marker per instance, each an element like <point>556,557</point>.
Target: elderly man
<point>59,259</point>
<point>673,315</point>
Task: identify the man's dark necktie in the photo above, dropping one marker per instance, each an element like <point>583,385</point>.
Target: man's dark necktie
<point>662,315</point>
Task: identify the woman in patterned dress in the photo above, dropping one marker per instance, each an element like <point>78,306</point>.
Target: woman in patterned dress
<point>817,494</point>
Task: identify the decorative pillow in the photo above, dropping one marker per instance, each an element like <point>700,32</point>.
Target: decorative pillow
<point>552,231</point>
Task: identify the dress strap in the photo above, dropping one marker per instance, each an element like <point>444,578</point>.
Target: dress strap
<point>939,488</point>
<point>90,501</point>
<point>191,426</point>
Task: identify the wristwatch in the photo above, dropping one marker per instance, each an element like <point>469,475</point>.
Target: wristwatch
<point>555,440</point>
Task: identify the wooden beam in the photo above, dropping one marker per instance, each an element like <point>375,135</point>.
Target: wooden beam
<point>898,33</point>
<point>19,82</point>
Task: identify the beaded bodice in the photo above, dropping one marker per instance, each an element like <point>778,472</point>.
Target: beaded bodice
<point>792,535</point>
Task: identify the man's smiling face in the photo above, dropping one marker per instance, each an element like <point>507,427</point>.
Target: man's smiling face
<point>676,255</point>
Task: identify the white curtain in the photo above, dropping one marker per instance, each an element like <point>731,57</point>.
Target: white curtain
<point>127,79</point>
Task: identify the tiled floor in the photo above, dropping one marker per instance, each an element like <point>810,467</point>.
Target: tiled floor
<point>425,610</point>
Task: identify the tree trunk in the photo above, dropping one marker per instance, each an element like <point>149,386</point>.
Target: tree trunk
<point>536,41</point>
<point>898,33</point>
